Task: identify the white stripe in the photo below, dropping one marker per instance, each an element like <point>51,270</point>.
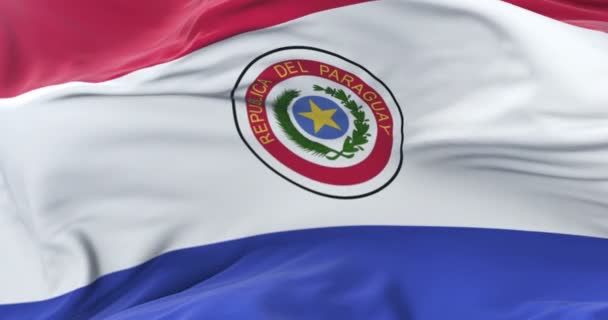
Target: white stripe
<point>505,127</point>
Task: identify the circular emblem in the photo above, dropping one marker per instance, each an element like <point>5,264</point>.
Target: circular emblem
<point>320,121</point>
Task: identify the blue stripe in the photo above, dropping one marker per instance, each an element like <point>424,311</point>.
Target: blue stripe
<point>378,273</point>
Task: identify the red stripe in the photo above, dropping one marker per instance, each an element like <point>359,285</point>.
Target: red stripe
<point>591,14</point>
<point>45,42</point>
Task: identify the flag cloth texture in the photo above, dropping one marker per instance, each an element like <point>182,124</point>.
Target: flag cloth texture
<point>279,159</point>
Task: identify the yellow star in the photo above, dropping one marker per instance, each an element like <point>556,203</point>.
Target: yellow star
<point>320,117</point>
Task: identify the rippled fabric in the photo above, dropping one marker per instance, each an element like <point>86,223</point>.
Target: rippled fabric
<point>139,192</point>
<point>380,273</point>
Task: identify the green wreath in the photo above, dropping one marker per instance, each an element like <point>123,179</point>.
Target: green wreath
<point>352,144</point>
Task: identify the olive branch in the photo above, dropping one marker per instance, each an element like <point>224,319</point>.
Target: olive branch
<point>352,144</point>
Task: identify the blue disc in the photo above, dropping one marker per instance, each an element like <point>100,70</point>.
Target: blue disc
<point>321,117</point>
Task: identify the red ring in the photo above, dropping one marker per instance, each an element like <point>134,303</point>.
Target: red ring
<point>361,172</point>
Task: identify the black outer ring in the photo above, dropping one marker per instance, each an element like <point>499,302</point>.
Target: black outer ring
<point>238,81</point>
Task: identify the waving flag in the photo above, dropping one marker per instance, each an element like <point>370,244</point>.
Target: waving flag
<point>345,159</point>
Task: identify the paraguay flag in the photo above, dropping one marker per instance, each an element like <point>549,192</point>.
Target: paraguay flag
<point>279,159</point>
